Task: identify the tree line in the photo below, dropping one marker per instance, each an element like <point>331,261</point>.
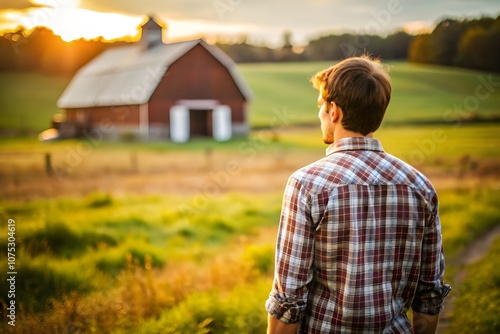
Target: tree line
<point>331,47</point>
<point>43,51</point>
<point>468,43</point>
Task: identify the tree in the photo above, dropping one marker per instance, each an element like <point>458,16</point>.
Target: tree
<point>477,49</point>
<point>43,51</point>
<point>398,45</point>
<point>7,53</point>
<point>444,40</point>
<point>418,50</point>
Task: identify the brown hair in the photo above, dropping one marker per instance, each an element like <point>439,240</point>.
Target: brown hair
<point>361,87</point>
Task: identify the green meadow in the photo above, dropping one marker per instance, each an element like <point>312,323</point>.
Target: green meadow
<point>27,100</point>
<point>420,93</point>
<point>166,238</point>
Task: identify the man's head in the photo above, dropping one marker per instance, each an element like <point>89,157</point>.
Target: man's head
<point>361,90</point>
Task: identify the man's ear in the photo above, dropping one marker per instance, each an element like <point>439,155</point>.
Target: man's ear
<point>335,112</point>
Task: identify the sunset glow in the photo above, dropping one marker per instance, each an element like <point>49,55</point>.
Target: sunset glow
<point>418,27</point>
<point>69,22</point>
<point>229,20</point>
<point>10,20</point>
<point>73,23</point>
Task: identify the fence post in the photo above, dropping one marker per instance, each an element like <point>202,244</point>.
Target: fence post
<point>48,164</point>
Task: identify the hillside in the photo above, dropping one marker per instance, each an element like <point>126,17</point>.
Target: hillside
<point>420,93</point>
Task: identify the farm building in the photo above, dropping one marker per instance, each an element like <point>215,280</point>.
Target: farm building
<point>152,90</point>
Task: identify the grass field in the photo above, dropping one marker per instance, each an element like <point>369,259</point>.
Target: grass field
<point>150,265</point>
<point>420,93</point>
<point>28,101</point>
<point>166,238</point>
<point>478,300</point>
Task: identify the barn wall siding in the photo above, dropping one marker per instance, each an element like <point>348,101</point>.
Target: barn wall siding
<point>196,75</point>
<point>113,123</point>
<point>119,115</point>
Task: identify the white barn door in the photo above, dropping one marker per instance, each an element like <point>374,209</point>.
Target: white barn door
<point>221,123</point>
<point>179,124</point>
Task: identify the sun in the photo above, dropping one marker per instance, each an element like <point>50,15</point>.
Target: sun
<point>70,22</point>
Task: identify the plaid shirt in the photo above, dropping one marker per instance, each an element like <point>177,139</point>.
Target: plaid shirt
<point>359,243</point>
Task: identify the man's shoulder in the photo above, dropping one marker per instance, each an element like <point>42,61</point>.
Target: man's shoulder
<point>316,174</point>
<point>311,168</point>
<point>410,175</point>
<point>342,169</point>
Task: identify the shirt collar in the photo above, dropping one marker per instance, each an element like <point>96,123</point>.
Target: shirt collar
<point>355,144</point>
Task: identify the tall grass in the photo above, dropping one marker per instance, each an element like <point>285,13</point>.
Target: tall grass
<point>145,265</point>
<point>477,306</point>
<point>239,310</point>
<point>73,252</point>
<point>466,214</point>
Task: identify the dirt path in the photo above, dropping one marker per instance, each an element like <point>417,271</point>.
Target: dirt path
<point>471,254</point>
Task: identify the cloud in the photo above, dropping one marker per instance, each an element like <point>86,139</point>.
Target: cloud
<point>292,14</point>
<point>295,14</point>
<point>267,20</point>
<point>305,19</point>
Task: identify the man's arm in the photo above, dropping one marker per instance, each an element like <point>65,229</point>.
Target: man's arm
<point>279,327</point>
<point>287,302</point>
<point>424,323</point>
<point>431,290</point>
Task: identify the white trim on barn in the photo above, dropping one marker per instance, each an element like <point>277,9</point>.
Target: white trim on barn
<point>221,123</point>
<point>199,104</point>
<point>179,124</point>
<point>180,118</point>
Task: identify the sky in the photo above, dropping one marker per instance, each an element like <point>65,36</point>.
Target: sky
<point>261,21</point>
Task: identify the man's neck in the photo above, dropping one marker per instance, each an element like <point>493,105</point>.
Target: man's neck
<point>343,133</point>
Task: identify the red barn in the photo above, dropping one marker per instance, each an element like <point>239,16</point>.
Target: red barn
<point>151,90</point>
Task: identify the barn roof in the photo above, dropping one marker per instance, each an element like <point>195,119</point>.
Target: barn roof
<point>129,75</point>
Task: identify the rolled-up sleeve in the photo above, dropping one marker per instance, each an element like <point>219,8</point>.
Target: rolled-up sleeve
<point>431,290</point>
<point>294,256</point>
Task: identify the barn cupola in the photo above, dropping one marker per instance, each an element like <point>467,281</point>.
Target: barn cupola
<point>152,33</point>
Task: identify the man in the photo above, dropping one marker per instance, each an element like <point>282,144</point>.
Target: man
<point>359,241</point>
